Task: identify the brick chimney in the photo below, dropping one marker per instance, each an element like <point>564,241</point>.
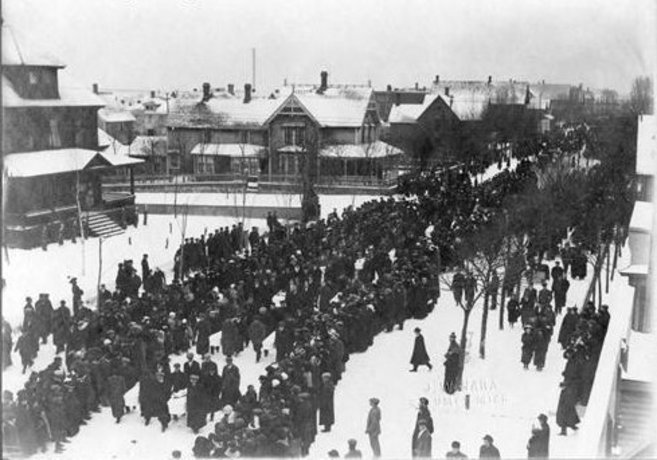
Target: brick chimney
<point>231,89</point>
<point>94,88</point>
<point>417,86</point>
<point>324,80</point>
<point>436,80</point>
<point>152,94</point>
<point>389,88</point>
<point>446,90</point>
<point>490,80</point>
<point>207,93</point>
<point>247,93</point>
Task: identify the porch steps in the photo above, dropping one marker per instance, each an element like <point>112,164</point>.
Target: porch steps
<point>101,225</point>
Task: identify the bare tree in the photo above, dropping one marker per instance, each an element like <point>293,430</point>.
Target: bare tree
<point>641,96</point>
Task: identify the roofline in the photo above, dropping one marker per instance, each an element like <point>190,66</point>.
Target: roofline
<point>282,104</point>
<point>53,66</point>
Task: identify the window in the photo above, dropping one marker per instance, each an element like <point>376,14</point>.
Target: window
<point>150,132</point>
<point>55,140</point>
<point>207,136</point>
<point>295,135</point>
<point>33,78</point>
<point>204,164</point>
<point>244,137</point>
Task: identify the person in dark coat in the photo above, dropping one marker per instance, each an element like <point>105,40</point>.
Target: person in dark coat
<point>27,345</point>
<point>556,272</point>
<point>145,268</point>
<point>566,413</point>
<point>325,402</point>
<point>158,399</point>
<point>373,427</point>
<point>177,379</point>
<point>456,451</point>
<point>212,383</point>
<point>423,442</point>
<point>116,391</point>
<point>452,365</point>
<point>539,442</point>
<point>528,346</point>
<point>203,331</point>
<point>513,310</point>
<point>470,288</point>
<point>196,404</point>
<point>541,342</point>
<point>420,357</point>
<point>306,422</point>
<point>568,325</point>
<point>44,313</point>
<point>7,344</point>
<point>230,337</point>
<point>191,366</point>
<point>560,287</point>
<point>230,389</point>
<point>488,450</point>
<point>77,295</point>
<point>423,415</point>
<point>61,326</point>
<point>257,334</point>
<point>458,284</point>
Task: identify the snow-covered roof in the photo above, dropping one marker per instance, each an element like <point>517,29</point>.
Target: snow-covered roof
<point>377,149</point>
<point>337,107</point>
<point>115,116</point>
<point>642,217</point>
<point>68,97</point>
<point>141,146</point>
<point>229,150</point>
<point>47,162</point>
<point>410,113</point>
<point>646,149</point>
<point>17,50</point>
<point>221,112</point>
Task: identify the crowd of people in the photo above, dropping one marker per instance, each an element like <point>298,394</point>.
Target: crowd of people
<point>324,290</point>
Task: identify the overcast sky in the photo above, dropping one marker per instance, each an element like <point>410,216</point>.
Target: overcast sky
<point>144,44</point>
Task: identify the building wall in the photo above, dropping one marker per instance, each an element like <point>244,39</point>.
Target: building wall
<point>122,131</point>
<point>33,82</point>
<point>39,128</point>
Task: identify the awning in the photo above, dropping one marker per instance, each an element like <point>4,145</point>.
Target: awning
<point>47,162</point>
<point>378,149</point>
<point>229,150</point>
<point>121,160</point>
<point>635,270</point>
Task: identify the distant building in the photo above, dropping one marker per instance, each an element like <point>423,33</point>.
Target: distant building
<point>53,166</point>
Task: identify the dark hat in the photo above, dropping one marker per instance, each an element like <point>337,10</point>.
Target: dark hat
<point>352,442</point>
<point>456,445</point>
<point>542,417</point>
<point>417,329</point>
<point>374,400</point>
<point>488,438</point>
<point>424,401</point>
<point>452,335</point>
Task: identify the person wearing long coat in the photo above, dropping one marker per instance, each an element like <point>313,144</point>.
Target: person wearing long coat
<point>257,334</point>
<point>423,442</point>
<point>568,325</point>
<point>560,287</point>
<point>306,422</point>
<point>423,415</point>
<point>452,365</point>
<point>61,326</point>
<point>539,442</point>
<point>158,399</point>
<point>7,344</point>
<point>44,312</point>
<point>513,310</point>
<point>528,346</point>
<point>230,389</point>
<point>230,338</point>
<point>212,383</point>
<point>325,402</point>
<point>116,392</point>
<point>541,342</point>
<point>28,346</point>
<point>203,338</point>
<point>566,413</point>
<point>196,404</point>
<point>420,357</point>
<point>373,427</point>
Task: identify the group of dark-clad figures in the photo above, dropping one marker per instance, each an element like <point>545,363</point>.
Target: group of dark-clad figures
<point>340,281</point>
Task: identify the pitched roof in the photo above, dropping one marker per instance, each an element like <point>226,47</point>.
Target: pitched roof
<point>47,162</point>
<point>410,113</point>
<point>17,50</point>
<point>337,107</point>
<point>646,149</point>
<point>141,146</point>
<point>221,112</point>
<point>377,149</point>
<point>229,150</point>
<point>115,116</point>
<point>68,97</point>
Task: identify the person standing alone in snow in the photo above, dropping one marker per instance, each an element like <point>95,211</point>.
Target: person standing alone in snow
<point>420,356</point>
<point>373,429</point>
<point>452,365</point>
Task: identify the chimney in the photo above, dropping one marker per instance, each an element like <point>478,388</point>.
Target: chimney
<point>152,94</point>
<point>247,93</point>
<point>417,86</point>
<point>490,80</point>
<point>231,89</point>
<point>94,88</point>
<point>436,80</point>
<point>369,83</point>
<point>389,88</point>
<point>324,80</point>
<point>397,98</point>
<point>285,82</point>
<point>207,94</point>
<point>451,100</point>
<point>446,90</point>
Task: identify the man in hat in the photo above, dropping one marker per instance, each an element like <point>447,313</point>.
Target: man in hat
<point>77,295</point>
<point>420,357</point>
<point>353,452</point>
<point>191,366</point>
<point>145,268</point>
<point>257,334</point>
<point>196,404</point>
<point>568,325</point>
<point>488,450</point>
<point>528,345</point>
<point>422,447</point>
<point>423,415</point>
<point>325,402</point>
<point>373,427</point>
<point>452,365</point>
<point>61,326</point>
<point>230,389</point>
<point>44,312</point>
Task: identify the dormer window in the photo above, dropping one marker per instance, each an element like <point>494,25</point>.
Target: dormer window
<point>32,78</point>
